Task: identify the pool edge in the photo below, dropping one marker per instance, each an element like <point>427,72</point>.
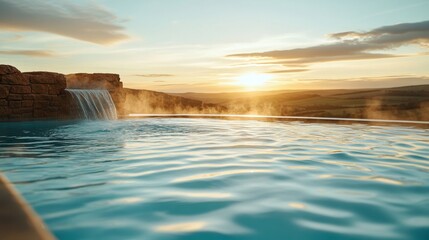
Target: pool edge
<point>346,121</point>
<point>17,219</point>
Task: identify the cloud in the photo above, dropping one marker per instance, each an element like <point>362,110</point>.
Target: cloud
<point>352,45</point>
<point>153,75</point>
<point>30,53</point>
<point>11,38</point>
<point>392,36</point>
<point>90,23</point>
<point>290,71</point>
<point>422,28</point>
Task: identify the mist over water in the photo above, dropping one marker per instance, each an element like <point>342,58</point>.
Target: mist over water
<point>390,104</point>
<point>221,179</point>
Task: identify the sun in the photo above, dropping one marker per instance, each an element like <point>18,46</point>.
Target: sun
<point>253,79</point>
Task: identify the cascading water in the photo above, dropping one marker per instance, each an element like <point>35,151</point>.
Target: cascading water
<point>94,104</point>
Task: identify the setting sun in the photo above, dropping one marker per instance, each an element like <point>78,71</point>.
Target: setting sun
<point>253,79</point>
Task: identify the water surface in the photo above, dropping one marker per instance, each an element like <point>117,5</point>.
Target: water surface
<point>221,179</point>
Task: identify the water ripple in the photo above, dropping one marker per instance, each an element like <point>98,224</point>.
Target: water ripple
<point>218,179</point>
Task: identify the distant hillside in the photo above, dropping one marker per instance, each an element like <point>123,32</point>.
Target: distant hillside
<point>409,102</point>
<point>217,98</point>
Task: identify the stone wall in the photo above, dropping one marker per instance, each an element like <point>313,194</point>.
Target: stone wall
<point>108,81</point>
<point>41,95</point>
<point>31,95</point>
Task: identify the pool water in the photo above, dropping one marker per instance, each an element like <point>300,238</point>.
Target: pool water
<point>162,178</point>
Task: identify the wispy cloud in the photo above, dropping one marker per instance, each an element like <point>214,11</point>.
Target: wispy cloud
<point>154,75</point>
<point>391,36</point>
<point>29,53</point>
<point>90,22</point>
<point>290,71</point>
<point>351,46</point>
<point>11,38</point>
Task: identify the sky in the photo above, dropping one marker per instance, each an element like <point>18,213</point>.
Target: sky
<point>223,45</point>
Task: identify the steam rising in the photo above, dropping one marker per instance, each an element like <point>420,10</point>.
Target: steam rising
<point>408,103</point>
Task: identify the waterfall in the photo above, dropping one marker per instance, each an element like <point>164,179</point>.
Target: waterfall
<point>94,104</point>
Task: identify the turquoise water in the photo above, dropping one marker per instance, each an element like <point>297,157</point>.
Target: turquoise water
<point>221,179</point>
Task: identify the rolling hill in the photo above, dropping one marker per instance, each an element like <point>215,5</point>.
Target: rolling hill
<point>407,103</point>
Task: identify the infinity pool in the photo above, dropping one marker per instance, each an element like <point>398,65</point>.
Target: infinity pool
<point>163,178</point>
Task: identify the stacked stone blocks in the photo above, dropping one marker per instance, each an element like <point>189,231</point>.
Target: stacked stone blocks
<point>31,95</point>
